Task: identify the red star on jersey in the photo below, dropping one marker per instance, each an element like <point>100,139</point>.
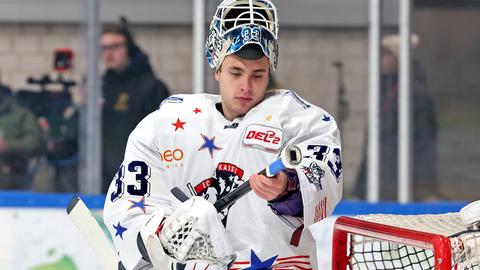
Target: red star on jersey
<point>179,124</point>
<point>197,110</point>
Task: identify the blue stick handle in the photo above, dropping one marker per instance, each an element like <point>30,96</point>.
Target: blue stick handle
<point>274,168</point>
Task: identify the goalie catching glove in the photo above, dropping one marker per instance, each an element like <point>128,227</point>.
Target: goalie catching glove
<point>192,233</point>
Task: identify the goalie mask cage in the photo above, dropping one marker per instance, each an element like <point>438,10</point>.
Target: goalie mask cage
<point>370,242</point>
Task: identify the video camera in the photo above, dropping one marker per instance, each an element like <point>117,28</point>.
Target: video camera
<point>47,100</point>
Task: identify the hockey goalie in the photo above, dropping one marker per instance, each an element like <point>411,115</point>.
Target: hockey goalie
<point>209,145</point>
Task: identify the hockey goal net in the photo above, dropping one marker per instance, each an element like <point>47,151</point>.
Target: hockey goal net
<point>439,242</point>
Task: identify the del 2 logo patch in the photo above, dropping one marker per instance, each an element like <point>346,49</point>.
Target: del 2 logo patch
<point>263,137</point>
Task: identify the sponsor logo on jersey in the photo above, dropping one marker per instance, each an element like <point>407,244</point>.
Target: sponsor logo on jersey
<point>227,177</point>
<point>314,174</point>
<point>320,210</point>
<point>263,137</point>
<point>173,158</point>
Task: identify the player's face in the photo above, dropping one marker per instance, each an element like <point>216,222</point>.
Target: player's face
<point>242,84</point>
<point>114,51</point>
<point>388,63</point>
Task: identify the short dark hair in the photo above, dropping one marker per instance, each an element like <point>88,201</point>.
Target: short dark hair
<point>115,29</point>
<point>121,29</point>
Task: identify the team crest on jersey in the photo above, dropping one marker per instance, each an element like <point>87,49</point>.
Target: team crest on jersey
<point>227,177</point>
<point>263,137</point>
<point>332,158</point>
<point>314,174</point>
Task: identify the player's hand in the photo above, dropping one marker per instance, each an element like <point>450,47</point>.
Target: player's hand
<point>268,188</point>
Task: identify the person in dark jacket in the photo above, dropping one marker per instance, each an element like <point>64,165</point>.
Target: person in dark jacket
<point>130,90</point>
<point>424,136</point>
<point>20,139</point>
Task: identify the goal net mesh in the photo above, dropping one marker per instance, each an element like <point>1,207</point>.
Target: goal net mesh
<point>370,253</point>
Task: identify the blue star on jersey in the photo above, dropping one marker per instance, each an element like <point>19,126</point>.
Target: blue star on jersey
<point>140,204</point>
<point>209,143</point>
<point>326,118</point>
<point>257,264</point>
<point>119,230</point>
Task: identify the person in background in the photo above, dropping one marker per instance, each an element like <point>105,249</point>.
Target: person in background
<point>424,133</point>
<point>130,90</point>
<point>20,139</point>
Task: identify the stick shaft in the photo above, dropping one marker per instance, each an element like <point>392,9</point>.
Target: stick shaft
<point>85,222</point>
<point>233,196</point>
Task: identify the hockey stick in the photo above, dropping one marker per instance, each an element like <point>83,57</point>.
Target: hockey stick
<point>290,157</point>
<point>85,222</point>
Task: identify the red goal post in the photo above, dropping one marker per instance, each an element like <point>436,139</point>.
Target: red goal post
<point>439,242</point>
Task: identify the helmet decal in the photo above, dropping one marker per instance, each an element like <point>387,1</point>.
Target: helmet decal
<point>240,22</point>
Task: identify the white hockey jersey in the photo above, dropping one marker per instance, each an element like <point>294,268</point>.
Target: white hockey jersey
<point>189,144</point>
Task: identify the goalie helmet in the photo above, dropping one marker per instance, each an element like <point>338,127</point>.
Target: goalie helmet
<point>237,25</point>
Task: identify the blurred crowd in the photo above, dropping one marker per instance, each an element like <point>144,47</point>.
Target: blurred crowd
<point>39,130</point>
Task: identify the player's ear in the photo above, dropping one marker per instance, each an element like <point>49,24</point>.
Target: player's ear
<point>217,73</point>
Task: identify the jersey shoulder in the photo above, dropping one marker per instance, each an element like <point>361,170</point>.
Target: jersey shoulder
<point>172,112</point>
<point>286,99</point>
<point>299,118</point>
<point>186,102</point>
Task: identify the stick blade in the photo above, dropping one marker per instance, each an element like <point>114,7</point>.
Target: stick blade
<point>72,204</point>
<point>178,193</point>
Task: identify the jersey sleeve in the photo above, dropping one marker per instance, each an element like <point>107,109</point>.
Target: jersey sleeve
<point>139,191</point>
<point>320,175</point>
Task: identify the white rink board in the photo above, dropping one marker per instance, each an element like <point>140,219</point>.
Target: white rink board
<point>33,238</point>
<point>36,237</point>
